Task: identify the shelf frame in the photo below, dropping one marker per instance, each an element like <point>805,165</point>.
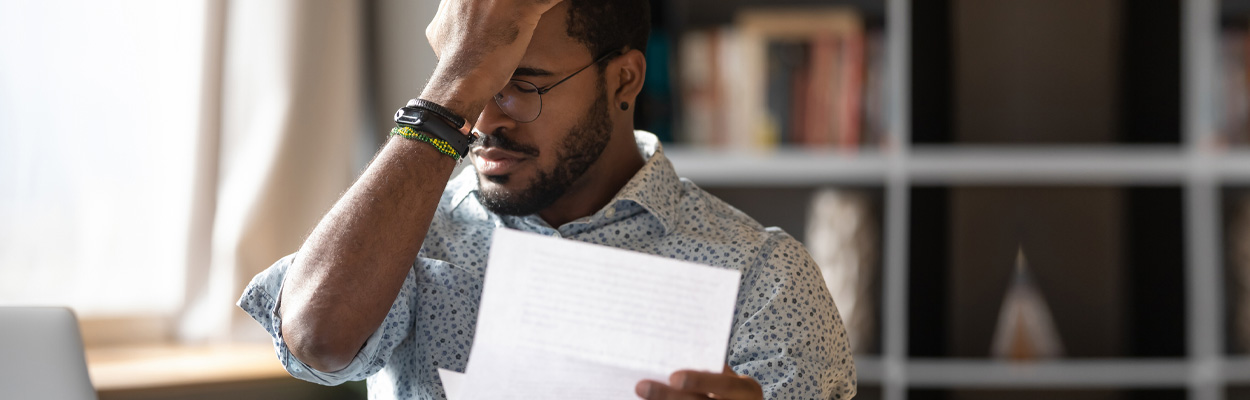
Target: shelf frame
<point>894,295</point>
<point>1197,165</point>
<point>974,373</point>
<point>1204,298</point>
<point>1143,165</point>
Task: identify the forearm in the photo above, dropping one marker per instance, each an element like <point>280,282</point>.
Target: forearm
<point>349,271</point>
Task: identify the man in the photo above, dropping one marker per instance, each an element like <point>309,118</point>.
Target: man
<point>558,155</point>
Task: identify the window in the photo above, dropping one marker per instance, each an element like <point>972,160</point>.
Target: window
<point>99,109</point>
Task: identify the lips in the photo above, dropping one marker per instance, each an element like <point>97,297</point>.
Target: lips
<point>496,161</point>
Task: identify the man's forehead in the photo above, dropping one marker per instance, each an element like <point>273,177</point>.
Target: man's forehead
<point>551,49</point>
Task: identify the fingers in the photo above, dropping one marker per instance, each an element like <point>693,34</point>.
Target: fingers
<point>467,32</point>
<point>652,390</point>
<point>684,385</point>
<point>726,385</point>
<point>479,44</point>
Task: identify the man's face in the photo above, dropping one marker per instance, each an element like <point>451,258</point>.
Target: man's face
<point>525,167</point>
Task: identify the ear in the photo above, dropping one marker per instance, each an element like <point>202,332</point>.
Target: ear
<point>627,74</point>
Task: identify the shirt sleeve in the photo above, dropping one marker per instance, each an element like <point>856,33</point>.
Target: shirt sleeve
<point>787,332</point>
<point>261,300</point>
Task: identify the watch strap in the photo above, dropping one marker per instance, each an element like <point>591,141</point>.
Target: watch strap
<point>424,120</point>
<point>456,121</point>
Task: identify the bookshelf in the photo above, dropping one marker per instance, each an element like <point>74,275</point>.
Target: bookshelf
<point>1170,162</point>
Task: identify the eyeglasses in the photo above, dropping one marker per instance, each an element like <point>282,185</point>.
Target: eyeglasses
<point>523,101</point>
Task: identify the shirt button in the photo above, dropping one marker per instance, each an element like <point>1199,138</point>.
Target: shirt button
<point>610,213</point>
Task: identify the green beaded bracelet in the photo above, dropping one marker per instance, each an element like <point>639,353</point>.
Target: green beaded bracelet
<point>441,145</point>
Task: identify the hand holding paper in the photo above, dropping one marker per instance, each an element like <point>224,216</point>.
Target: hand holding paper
<point>726,385</point>
<point>563,319</point>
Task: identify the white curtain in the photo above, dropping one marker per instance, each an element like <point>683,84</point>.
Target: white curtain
<point>98,108</point>
<point>155,155</point>
<point>277,152</point>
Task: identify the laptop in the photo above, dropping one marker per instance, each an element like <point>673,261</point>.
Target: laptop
<point>41,355</point>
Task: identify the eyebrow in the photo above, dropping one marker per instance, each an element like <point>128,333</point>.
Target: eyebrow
<point>530,71</point>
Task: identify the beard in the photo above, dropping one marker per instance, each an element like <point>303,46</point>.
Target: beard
<point>580,148</point>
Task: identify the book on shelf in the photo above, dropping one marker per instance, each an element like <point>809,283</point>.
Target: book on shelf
<point>801,77</point>
<point>1074,240</point>
<point>1232,95</point>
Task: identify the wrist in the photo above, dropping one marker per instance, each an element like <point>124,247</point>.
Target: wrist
<point>462,96</point>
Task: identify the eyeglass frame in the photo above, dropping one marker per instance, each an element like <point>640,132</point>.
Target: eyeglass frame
<point>543,90</point>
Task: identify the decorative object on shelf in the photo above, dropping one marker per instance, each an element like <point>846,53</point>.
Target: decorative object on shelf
<point>1026,329</point>
<point>842,239</point>
<point>805,76</point>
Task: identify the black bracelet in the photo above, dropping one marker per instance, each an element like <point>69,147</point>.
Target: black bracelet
<point>427,121</point>
<point>451,117</point>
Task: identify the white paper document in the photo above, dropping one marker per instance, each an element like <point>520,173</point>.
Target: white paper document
<point>561,319</point>
<point>451,382</point>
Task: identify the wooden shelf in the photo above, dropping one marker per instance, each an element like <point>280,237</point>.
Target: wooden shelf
<point>209,372</point>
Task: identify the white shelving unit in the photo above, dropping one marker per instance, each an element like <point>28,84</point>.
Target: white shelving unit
<point>782,167</point>
<point>1196,166</point>
<point>948,165</point>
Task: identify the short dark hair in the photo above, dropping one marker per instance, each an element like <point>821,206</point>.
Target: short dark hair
<point>608,25</point>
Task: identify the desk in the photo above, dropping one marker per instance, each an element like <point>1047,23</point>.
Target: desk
<point>234,371</point>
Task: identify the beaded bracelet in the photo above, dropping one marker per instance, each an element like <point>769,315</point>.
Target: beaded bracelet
<point>435,126</point>
<point>443,147</point>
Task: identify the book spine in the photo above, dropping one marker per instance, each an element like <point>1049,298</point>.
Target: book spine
<point>819,102</point>
<point>851,91</point>
<point>697,91</point>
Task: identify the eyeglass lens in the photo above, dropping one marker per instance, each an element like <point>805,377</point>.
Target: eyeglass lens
<point>520,100</point>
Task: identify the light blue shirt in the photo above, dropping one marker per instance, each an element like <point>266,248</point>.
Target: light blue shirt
<point>786,331</point>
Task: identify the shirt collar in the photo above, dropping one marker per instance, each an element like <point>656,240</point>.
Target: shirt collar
<point>461,185</point>
<point>655,187</point>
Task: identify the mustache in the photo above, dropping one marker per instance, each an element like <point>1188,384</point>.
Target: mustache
<point>497,140</point>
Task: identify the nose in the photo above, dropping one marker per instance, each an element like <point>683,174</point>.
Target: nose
<point>493,118</point>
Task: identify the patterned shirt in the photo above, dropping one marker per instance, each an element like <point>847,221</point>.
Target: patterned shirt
<point>786,332</point>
